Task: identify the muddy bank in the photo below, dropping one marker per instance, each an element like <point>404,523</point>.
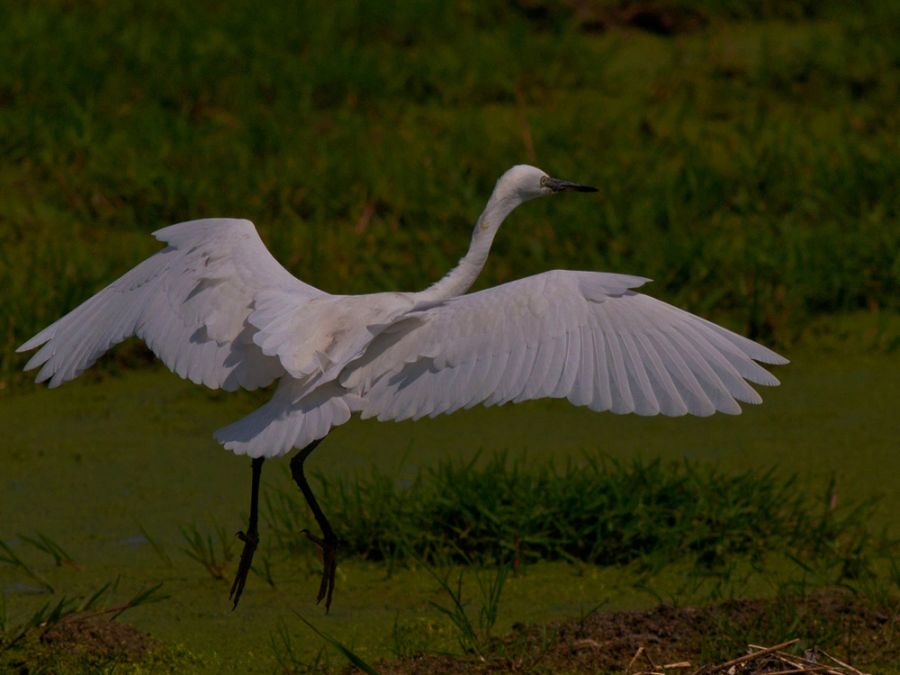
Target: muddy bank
<point>685,639</point>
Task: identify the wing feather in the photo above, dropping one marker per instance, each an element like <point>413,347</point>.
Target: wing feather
<point>570,365</point>
<point>689,388</point>
<point>602,386</point>
<point>622,401</point>
<point>533,354</point>
<point>664,388</point>
<point>495,376</point>
<point>639,382</point>
<point>582,389</point>
<point>190,303</point>
<point>726,371</point>
<point>585,336</point>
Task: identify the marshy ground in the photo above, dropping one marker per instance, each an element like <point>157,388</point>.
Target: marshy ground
<point>121,478</point>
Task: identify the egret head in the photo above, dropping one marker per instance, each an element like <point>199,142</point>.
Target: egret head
<point>528,182</point>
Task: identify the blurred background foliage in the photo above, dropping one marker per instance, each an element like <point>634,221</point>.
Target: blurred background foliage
<point>746,151</point>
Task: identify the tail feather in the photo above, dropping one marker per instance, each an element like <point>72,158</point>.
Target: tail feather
<point>286,422</point>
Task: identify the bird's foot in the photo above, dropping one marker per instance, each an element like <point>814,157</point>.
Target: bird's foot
<point>328,545</point>
<point>251,541</point>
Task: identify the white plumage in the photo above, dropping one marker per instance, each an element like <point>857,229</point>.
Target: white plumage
<point>219,310</point>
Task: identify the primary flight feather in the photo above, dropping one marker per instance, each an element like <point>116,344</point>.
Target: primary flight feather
<point>219,310</point>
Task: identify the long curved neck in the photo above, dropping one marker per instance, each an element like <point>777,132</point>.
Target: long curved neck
<point>458,280</point>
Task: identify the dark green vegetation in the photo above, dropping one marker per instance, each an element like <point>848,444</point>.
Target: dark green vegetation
<point>748,160</point>
<point>597,511</point>
<point>750,168</point>
<point>831,548</point>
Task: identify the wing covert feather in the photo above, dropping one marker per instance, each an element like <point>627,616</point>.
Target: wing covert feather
<point>585,336</point>
<point>190,303</point>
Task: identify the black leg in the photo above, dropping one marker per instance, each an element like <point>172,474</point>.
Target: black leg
<point>250,537</point>
<point>328,541</point>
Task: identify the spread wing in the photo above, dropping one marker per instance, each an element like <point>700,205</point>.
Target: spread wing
<point>585,336</point>
<point>190,303</point>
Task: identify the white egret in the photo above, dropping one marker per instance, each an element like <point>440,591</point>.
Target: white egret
<point>219,310</point>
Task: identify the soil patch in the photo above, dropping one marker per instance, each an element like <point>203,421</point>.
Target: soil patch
<point>98,637</point>
<point>687,639</point>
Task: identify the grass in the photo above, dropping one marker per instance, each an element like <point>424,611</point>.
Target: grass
<point>43,543</point>
<point>724,534</point>
<point>721,535</point>
<point>214,552</point>
<point>861,629</point>
<point>474,636</point>
<point>136,448</point>
<point>9,557</point>
<point>749,168</point>
<point>44,641</point>
<point>594,510</point>
<point>696,637</point>
<point>801,548</point>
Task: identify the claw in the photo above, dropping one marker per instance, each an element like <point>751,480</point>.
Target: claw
<point>328,546</point>
<point>328,542</point>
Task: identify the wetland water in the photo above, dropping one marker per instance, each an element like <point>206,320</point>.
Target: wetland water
<point>91,463</point>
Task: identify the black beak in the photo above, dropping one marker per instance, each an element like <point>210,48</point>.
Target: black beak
<point>558,185</point>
